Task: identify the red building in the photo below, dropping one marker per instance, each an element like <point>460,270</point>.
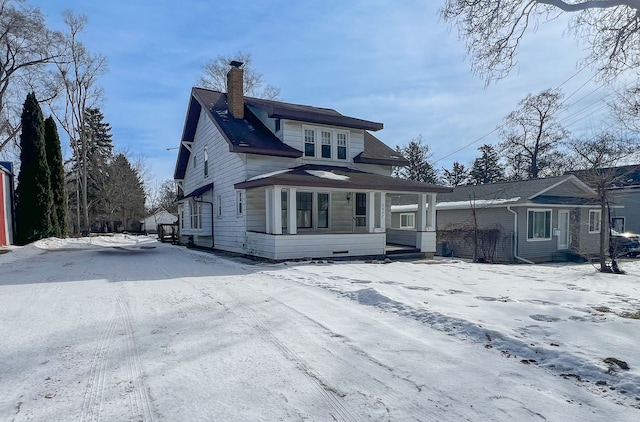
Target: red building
<point>6,203</point>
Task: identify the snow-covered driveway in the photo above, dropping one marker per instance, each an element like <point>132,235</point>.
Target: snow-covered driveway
<point>167,334</point>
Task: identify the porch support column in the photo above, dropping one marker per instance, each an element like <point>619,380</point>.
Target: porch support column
<point>431,212</point>
<point>421,218</point>
<point>267,211</point>
<point>371,210</point>
<point>292,221</point>
<point>276,210</point>
<point>383,210</point>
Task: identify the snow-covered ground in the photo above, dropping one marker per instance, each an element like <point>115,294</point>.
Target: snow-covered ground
<point>129,329</point>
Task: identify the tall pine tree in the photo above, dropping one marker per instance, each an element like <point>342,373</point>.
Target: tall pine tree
<point>487,168</point>
<point>34,207</point>
<point>457,176</point>
<point>56,169</point>
<point>419,168</point>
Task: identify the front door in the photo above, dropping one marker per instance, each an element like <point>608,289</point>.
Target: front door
<point>360,213</point>
<point>563,229</point>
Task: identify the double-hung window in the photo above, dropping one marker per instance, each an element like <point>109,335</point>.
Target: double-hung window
<point>341,141</point>
<point>325,138</point>
<point>309,143</point>
<point>407,221</point>
<point>312,210</point>
<point>325,143</point>
<point>196,214</point>
<point>539,224</point>
<point>594,221</point>
<point>206,162</point>
<point>304,209</point>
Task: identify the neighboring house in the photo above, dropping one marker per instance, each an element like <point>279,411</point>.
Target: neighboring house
<point>625,193</point>
<point>150,222</point>
<point>287,181</point>
<point>6,204</point>
<point>535,220</point>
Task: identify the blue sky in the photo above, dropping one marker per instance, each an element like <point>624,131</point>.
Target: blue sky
<point>391,62</point>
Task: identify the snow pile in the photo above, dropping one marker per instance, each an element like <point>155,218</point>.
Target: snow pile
<point>327,175</point>
<point>178,334</point>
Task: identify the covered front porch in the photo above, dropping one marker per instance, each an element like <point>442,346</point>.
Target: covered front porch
<point>293,222</point>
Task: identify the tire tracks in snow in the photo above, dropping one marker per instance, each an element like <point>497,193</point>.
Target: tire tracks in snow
<point>371,373</point>
<point>118,333</point>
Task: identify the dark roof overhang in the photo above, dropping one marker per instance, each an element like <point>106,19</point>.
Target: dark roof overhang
<point>333,177</point>
<point>199,191</point>
<point>302,113</point>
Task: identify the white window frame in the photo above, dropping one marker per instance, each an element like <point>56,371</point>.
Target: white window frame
<point>326,139</point>
<point>413,220</point>
<point>311,134</point>
<point>239,203</point>
<point>337,139</point>
<point>549,223</point>
<point>595,225</point>
<point>219,206</point>
<point>195,211</point>
<point>345,146</point>
<point>194,161</point>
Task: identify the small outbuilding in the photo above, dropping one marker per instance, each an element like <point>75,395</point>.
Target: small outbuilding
<point>150,223</point>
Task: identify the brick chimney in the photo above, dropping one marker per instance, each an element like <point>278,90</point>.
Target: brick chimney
<point>235,99</point>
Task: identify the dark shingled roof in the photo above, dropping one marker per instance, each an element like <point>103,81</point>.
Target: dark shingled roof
<point>377,152</point>
<point>523,189</point>
<point>622,177</point>
<point>304,113</point>
<point>248,135</point>
<point>332,177</point>
<point>251,136</point>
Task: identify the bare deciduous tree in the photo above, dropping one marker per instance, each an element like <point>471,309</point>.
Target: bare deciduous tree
<point>78,75</point>
<point>595,159</point>
<point>531,135</point>
<point>214,76</point>
<point>26,46</point>
<point>494,29</point>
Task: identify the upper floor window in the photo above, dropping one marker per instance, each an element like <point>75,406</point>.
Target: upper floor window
<point>309,143</point>
<point>206,162</point>
<point>194,161</point>
<point>325,143</point>
<point>341,138</point>
<point>239,203</point>
<point>325,137</point>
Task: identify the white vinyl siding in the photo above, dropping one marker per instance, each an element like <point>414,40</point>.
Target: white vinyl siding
<point>225,169</point>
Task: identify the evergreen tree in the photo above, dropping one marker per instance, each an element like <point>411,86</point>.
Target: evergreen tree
<point>487,168</point>
<point>34,206</point>
<point>458,175</point>
<point>125,194</point>
<point>419,168</point>
<point>99,151</point>
<point>56,169</point>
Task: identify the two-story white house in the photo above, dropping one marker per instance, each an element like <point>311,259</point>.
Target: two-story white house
<point>287,181</point>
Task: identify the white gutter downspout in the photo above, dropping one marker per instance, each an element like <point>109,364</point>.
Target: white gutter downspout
<point>515,236</point>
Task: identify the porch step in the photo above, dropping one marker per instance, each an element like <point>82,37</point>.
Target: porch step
<point>405,253</point>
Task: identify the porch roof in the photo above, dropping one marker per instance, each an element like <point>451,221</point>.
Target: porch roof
<point>199,191</point>
<point>332,177</point>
